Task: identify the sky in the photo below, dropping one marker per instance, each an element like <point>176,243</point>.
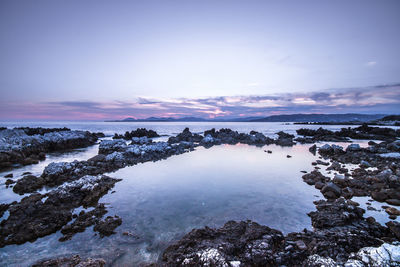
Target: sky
<point>98,60</point>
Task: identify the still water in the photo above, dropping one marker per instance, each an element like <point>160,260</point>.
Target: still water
<point>161,201</point>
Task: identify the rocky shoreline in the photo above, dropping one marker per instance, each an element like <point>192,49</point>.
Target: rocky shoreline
<point>341,235</point>
<point>24,146</point>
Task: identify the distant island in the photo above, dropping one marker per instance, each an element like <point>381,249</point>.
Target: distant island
<point>348,118</point>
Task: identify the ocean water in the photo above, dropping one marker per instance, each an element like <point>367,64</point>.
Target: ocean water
<point>161,201</point>
<point>168,128</point>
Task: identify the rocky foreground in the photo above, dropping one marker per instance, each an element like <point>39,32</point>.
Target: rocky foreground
<point>24,146</point>
<point>341,235</point>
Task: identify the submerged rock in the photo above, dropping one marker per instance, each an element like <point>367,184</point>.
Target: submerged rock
<point>73,261</point>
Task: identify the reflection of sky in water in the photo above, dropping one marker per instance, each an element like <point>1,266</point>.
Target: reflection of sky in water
<point>161,201</point>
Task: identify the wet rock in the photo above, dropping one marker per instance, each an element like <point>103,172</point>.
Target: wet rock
<point>314,177</point>
<point>313,149</point>
<point>28,183</point>
<point>9,182</point>
<point>109,146</point>
<point>320,162</point>
<point>208,140</point>
<point>246,242</point>
<point>331,191</point>
<point>83,220</point>
<point>107,226</point>
<point>379,196</point>
<point>185,135</point>
<point>394,228</point>
<point>365,164</point>
<point>385,255</point>
<point>16,147</point>
<point>336,213</point>
<point>392,211</point>
<point>139,132</point>
<point>73,261</point>
<point>392,201</point>
<point>39,215</point>
<point>141,140</point>
<point>284,139</point>
<point>353,147</point>
<point>10,175</point>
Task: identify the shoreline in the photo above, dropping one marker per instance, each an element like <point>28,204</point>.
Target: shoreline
<point>116,154</point>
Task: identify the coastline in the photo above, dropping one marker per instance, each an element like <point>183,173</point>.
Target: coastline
<point>117,154</point>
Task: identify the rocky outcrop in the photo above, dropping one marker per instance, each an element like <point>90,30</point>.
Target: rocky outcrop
<point>39,215</point>
<point>17,147</point>
<point>73,261</point>
<point>139,132</point>
<point>361,132</point>
<point>340,230</point>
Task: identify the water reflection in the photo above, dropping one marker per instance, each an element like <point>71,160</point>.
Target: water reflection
<point>161,201</point>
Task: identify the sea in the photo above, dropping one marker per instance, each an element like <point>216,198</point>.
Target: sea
<point>161,201</point>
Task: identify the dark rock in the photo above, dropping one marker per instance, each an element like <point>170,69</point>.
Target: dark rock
<point>10,175</point>
<point>139,132</point>
<point>394,228</point>
<point>73,261</point>
<point>9,181</point>
<point>107,227</point>
<point>34,217</point>
<point>28,183</point>
<point>82,221</point>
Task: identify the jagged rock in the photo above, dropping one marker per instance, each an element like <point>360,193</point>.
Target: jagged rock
<point>73,261</point>
<point>39,215</point>
<point>107,227</point>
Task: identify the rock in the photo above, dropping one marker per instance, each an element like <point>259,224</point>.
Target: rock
<point>9,181</point>
<point>207,140</point>
<point>73,261</point>
<point>39,215</point>
<point>392,201</point>
<point>318,261</point>
<point>392,211</point>
<point>107,227</point>
<point>82,221</point>
<point>394,228</point>
<point>365,164</point>
<point>313,149</point>
<point>10,175</point>
<point>139,132</point>
<point>314,177</point>
<point>326,149</point>
<point>141,140</point>
<point>320,162</point>
<point>332,214</point>
<point>384,256</point>
<point>331,190</point>
<point>109,146</point>
<point>16,147</point>
<point>353,147</point>
<point>379,196</point>
<point>27,184</point>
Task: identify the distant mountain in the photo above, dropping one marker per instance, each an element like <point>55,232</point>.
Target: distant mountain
<point>350,117</point>
<point>155,119</point>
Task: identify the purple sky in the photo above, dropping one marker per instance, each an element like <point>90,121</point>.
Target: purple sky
<point>96,59</point>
